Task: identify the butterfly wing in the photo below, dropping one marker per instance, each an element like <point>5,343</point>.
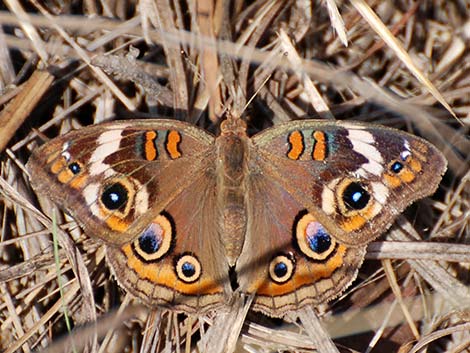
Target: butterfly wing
<point>318,192</point>
<point>142,186</point>
<point>178,261</point>
<point>354,178</point>
<point>114,179</point>
<point>289,260</point>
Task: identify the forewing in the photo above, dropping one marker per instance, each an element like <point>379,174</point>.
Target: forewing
<point>115,178</point>
<point>354,178</point>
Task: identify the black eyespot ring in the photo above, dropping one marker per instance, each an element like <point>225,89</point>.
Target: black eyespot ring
<point>115,197</point>
<point>355,196</point>
<point>188,268</point>
<point>282,268</point>
<point>75,168</point>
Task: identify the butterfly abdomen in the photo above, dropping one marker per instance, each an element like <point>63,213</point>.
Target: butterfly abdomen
<point>232,166</point>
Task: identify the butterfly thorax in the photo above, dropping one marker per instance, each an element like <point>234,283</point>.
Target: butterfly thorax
<point>232,150</point>
<point>233,126</point>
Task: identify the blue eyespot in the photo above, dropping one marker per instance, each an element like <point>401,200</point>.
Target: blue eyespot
<point>313,240</point>
<point>396,167</point>
<point>149,241</point>
<point>188,269</point>
<point>320,241</point>
<point>280,269</point>
<point>74,168</point>
<point>114,197</point>
<point>355,196</point>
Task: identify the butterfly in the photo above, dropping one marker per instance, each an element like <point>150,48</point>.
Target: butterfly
<point>188,218</point>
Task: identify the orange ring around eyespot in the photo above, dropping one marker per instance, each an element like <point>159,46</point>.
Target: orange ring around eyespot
<point>117,224</point>
<point>353,223</point>
<point>339,192</point>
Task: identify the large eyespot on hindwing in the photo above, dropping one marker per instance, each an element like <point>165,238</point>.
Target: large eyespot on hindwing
<point>156,240</point>
<point>312,238</point>
<point>282,268</point>
<point>188,268</point>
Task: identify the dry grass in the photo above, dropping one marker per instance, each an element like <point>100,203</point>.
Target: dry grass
<point>269,61</point>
